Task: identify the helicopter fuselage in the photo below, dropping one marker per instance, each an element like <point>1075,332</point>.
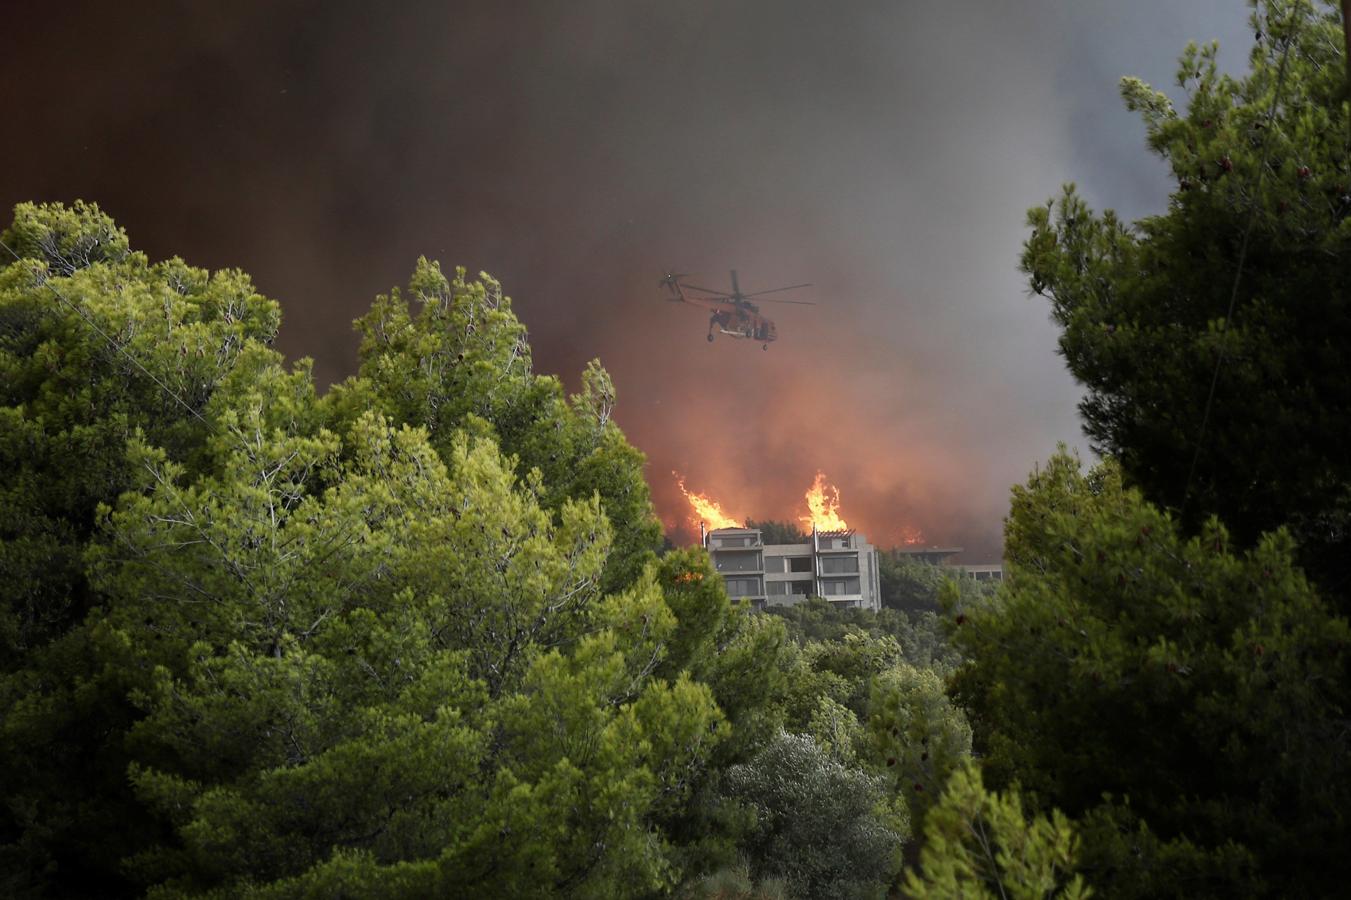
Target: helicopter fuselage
<point>741,321</point>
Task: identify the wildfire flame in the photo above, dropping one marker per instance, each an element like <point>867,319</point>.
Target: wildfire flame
<point>706,509</point>
<point>823,501</point>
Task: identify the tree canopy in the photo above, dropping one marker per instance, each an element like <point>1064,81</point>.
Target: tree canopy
<point>1211,337</point>
<point>774,531</point>
<point>1129,672</point>
<point>1159,665</point>
<point>409,638</point>
<point>412,637</point>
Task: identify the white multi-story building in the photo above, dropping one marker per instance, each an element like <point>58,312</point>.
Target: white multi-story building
<point>840,566</point>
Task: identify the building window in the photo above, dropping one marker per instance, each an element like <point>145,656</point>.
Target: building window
<point>800,588</point>
<point>799,563</point>
<point>834,587</point>
<point>738,562</point>
<point>839,565</point>
<point>743,587</point>
<point>773,563</point>
<point>777,588</point>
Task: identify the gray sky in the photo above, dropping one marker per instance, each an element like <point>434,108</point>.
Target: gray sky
<point>885,151</point>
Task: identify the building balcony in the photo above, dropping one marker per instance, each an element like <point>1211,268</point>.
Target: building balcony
<point>725,539</point>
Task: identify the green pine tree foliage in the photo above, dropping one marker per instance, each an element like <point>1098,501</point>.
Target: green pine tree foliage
<point>98,346</point>
<point>920,636</point>
<point>842,670</point>
<point>916,587</point>
<point>877,705</point>
<point>735,883</point>
<point>1127,672</point>
<point>980,844</point>
<point>746,661</point>
<point>451,355</point>
<point>744,658</point>
<point>774,531</point>
<point>70,397</point>
<point>819,824</point>
<point>916,738</point>
<point>414,678</point>
<point>1261,216</point>
<point>380,644</point>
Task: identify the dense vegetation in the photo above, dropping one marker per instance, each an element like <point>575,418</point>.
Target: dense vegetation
<point>1169,663</point>
<point>414,637</point>
<point>1211,338</point>
<point>409,638</point>
<point>775,531</point>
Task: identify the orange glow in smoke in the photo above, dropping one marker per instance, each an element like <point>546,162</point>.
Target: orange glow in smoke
<point>823,501</point>
<point>706,509</point>
<point>911,536</point>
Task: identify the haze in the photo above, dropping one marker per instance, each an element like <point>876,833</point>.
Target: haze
<point>885,152</point>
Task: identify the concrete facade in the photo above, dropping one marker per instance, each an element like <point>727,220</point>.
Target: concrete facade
<point>840,566</point>
<point>982,572</point>
<point>933,556</point>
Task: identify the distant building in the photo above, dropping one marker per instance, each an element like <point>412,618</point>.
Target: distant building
<point>939,556</point>
<point>985,572</point>
<point>840,566</point>
<point>934,556</point>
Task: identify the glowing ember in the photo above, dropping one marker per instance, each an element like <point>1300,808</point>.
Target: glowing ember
<point>706,509</point>
<point>823,501</point>
<point>911,536</point>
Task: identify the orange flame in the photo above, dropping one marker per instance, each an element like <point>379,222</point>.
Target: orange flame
<point>706,509</point>
<point>911,536</point>
<point>823,501</point>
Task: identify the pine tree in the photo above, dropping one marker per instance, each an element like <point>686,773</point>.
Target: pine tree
<point>1179,696</point>
<point>1211,338</point>
<point>406,640</point>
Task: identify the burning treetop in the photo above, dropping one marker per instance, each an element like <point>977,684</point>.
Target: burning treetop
<point>823,505</point>
<point>706,509</point>
<point>823,502</point>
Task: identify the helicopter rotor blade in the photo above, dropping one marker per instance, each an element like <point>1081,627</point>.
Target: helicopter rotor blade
<point>791,287</point>
<point>795,302</point>
<point>695,287</point>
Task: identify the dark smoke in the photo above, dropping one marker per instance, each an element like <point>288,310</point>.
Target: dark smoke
<point>885,151</point>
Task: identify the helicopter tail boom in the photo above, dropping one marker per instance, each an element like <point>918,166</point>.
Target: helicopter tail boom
<point>671,281</point>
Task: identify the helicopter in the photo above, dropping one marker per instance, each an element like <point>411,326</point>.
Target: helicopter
<point>731,313</point>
